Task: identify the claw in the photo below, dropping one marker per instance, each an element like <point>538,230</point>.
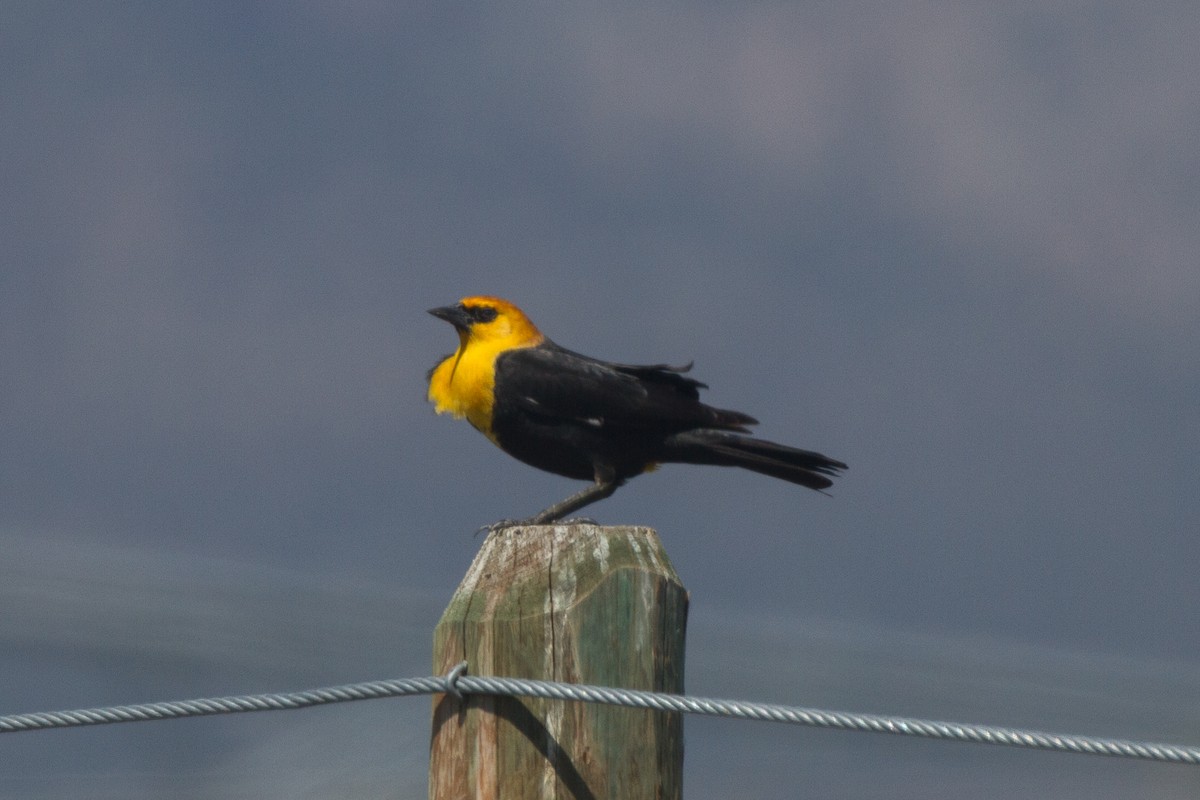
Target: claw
<point>499,525</point>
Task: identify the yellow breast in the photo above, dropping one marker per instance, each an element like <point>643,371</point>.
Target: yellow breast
<point>463,384</point>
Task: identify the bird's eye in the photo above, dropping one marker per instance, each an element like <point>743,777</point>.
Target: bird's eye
<point>480,313</point>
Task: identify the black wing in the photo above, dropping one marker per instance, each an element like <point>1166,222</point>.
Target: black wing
<point>552,382</point>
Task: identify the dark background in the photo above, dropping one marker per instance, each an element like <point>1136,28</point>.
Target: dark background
<point>951,244</point>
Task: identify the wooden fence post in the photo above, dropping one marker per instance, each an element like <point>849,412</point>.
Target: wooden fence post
<point>578,603</point>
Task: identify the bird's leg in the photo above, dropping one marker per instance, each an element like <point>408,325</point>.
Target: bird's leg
<point>599,490</point>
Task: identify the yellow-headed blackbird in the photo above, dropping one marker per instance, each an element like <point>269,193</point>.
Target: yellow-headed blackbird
<point>594,420</point>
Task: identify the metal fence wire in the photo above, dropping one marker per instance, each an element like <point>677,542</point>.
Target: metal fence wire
<point>458,683</point>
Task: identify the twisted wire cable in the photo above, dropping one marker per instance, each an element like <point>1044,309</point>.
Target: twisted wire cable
<point>841,720</point>
<point>457,683</point>
<point>142,712</point>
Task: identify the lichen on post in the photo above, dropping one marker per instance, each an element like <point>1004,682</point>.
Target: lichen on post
<point>576,603</point>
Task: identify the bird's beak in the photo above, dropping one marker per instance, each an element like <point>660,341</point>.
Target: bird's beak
<point>455,315</point>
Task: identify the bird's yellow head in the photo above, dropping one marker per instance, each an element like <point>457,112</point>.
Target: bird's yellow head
<point>463,383</point>
<point>490,322</point>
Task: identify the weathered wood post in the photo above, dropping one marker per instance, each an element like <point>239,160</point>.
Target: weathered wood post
<point>577,603</point>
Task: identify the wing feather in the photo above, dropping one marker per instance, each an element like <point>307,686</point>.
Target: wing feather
<point>551,382</point>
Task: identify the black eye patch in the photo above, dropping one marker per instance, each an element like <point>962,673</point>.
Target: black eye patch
<point>480,313</point>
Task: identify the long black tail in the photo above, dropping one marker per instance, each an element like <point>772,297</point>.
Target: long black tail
<point>724,449</point>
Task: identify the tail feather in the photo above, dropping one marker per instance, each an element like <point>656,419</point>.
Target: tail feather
<point>721,448</point>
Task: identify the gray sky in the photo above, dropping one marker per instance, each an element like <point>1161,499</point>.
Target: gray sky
<point>952,245</point>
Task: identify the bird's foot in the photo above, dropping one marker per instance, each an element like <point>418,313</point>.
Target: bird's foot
<point>499,525</point>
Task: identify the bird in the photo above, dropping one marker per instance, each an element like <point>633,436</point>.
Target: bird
<point>588,419</point>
